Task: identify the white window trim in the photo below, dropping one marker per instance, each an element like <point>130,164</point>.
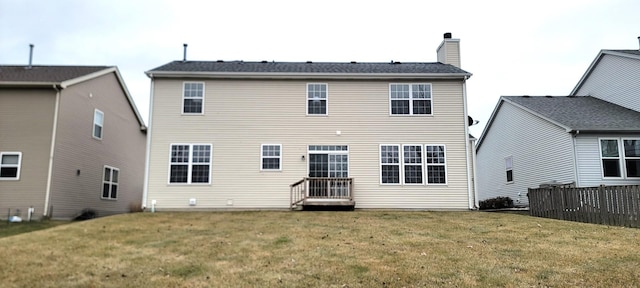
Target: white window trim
<point>411,100</point>
<point>624,156</point>
<point>183,97</point>
<point>110,182</point>
<point>399,164</point>
<point>306,98</point>
<point>19,165</point>
<point>446,168</point>
<point>423,163</point>
<point>620,158</point>
<point>190,164</point>
<point>93,133</point>
<point>506,168</point>
<point>622,163</point>
<point>262,157</point>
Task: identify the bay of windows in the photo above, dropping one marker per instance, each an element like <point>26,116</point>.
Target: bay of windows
<point>620,157</point>
<point>409,166</point>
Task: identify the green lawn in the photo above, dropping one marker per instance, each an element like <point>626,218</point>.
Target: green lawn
<point>322,249</point>
<point>10,229</point>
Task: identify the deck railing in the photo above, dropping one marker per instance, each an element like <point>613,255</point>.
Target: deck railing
<point>321,188</point>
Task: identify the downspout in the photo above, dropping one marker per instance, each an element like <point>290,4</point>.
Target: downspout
<point>47,195</point>
<point>148,150</point>
<point>466,145</point>
<point>475,178</point>
<point>575,156</point>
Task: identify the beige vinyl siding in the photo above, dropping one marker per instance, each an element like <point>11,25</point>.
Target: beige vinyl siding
<point>541,152</point>
<point>615,80</point>
<point>122,146</point>
<point>240,115</point>
<point>26,122</point>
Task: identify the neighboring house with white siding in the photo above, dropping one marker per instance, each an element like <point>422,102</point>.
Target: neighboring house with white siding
<point>587,139</point>
<point>70,138</point>
<point>244,135</point>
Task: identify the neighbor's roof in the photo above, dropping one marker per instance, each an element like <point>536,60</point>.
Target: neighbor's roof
<point>61,77</point>
<point>45,74</point>
<point>583,113</point>
<point>631,54</point>
<point>573,113</point>
<point>181,68</point>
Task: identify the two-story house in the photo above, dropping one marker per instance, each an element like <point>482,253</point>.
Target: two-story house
<point>71,138</point>
<point>589,138</point>
<point>270,135</point>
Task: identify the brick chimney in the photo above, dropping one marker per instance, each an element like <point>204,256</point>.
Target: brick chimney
<point>449,51</point>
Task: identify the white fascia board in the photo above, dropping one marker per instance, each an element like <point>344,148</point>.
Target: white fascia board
<point>86,77</point>
<point>27,84</point>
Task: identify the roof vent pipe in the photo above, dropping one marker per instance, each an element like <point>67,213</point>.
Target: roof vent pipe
<point>30,55</point>
<point>184,57</point>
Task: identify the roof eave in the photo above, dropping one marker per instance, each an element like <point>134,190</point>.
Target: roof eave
<point>306,75</point>
<point>28,84</point>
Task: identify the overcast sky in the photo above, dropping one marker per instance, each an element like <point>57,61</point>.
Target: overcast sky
<point>512,47</point>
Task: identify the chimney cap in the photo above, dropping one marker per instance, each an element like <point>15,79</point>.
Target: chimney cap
<point>447,35</point>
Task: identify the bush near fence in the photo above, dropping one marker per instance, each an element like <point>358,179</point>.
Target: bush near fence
<point>608,205</point>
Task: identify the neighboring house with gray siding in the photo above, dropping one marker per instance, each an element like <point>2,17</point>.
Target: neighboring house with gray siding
<point>70,138</point>
<point>587,139</point>
<point>237,135</point>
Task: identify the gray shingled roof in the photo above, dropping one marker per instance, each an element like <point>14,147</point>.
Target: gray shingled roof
<point>51,74</point>
<point>306,67</point>
<point>584,113</point>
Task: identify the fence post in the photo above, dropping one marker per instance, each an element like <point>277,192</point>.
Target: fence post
<point>604,219</point>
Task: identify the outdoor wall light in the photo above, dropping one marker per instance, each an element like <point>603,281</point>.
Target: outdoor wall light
<point>302,157</point>
<point>78,172</point>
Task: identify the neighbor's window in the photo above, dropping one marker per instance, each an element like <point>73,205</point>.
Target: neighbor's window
<point>632,157</point>
<point>10,165</point>
<point>316,99</point>
<point>110,183</point>
<point>508,166</point>
<point>436,164</point>
<point>190,163</point>
<point>98,123</point>
<point>271,157</point>
<point>193,98</point>
<point>410,99</point>
<point>610,158</point>
<point>412,163</point>
<point>390,164</point>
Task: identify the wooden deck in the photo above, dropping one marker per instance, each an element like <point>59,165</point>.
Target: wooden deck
<point>316,193</point>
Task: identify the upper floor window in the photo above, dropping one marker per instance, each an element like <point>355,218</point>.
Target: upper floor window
<point>410,99</point>
<point>98,123</point>
<point>271,157</point>
<point>10,165</point>
<point>110,183</point>
<point>508,166</point>
<point>620,158</point>
<point>317,99</point>
<point>193,98</point>
<point>190,163</point>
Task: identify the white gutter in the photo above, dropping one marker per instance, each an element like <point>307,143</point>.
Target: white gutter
<point>47,195</point>
<point>466,145</point>
<point>148,150</point>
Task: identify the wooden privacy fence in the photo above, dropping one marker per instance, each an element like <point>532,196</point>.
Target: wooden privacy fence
<point>609,205</point>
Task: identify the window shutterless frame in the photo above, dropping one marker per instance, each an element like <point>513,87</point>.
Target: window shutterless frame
<point>390,164</point>
<point>98,124</point>
<point>10,165</point>
<point>193,98</point>
<point>610,158</point>
<point>110,183</point>
<point>317,99</point>
<point>190,163</point>
<point>412,164</point>
<point>271,157</point>
<point>436,162</point>
<point>410,99</point>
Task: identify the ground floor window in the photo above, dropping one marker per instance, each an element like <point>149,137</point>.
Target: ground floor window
<point>271,157</point>
<point>110,182</point>
<point>190,164</point>
<point>10,165</point>
<point>620,157</point>
<point>414,161</point>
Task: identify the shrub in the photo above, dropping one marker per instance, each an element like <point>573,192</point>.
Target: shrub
<point>496,203</point>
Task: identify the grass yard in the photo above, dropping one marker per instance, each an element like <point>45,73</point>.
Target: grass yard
<point>322,249</point>
<point>10,229</point>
